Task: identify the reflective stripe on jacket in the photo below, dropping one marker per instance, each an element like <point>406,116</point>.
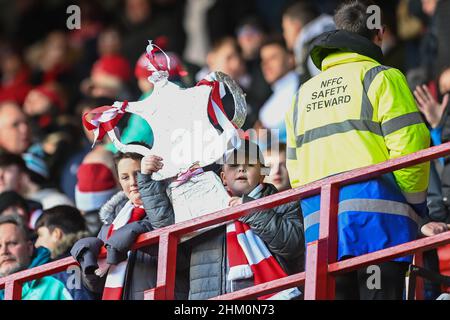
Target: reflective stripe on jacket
<point>372,215</point>
<point>354,114</point>
<point>357,113</point>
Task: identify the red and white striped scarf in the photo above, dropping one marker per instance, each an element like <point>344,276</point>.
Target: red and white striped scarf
<point>249,257</point>
<point>116,274</point>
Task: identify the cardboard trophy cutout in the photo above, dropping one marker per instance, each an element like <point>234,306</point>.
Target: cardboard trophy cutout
<point>183,133</point>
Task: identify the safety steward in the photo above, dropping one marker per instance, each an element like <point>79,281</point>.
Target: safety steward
<point>357,113</point>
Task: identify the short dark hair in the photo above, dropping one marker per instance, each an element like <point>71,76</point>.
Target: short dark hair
<point>253,21</point>
<point>303,11</point>
<point>8,159</point>
<point>66,218</point>
<point>12,198</point>
<point>219,43</point>
<point>275,39</point>
<point>18,222</point>
<point>352,16</point>
<point>130,155</point>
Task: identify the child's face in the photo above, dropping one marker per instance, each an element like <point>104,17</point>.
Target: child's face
<point>48,239</point>
<point>127,170</point>
<point>241,179</point>
<point>279,176</point>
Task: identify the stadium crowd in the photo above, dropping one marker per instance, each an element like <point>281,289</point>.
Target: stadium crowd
<point>61,196</point>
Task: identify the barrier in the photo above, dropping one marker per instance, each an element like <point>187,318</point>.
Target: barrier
<point>321,265</point>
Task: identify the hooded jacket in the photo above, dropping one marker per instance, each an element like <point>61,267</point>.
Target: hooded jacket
<point>355,106</point>
<point>358,113</point>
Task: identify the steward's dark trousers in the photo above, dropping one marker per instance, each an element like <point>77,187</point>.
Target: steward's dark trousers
<point>371,283</point>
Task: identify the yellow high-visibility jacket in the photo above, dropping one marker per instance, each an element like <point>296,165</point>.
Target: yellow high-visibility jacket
<point>356,113</point>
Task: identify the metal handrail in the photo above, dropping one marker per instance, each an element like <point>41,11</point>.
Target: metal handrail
<point>321,264</point>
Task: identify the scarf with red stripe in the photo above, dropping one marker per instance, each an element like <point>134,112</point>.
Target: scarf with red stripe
<point>444,263</point>
<point>249,257</point>
<point>116,274</point>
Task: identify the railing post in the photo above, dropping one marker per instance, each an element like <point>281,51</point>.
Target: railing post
<point>316,271</point>
<point>167,261</point>
<point>13,290</point>
<point>319,285</point>
<point>420,285</point>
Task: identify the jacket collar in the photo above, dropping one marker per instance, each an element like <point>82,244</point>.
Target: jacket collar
<point>40,256</point>
<point>109,210</point>
<point>338,58</point>
<point>341,41</point>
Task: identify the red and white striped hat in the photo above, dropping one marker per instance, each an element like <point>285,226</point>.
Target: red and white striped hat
<point>96,185</point>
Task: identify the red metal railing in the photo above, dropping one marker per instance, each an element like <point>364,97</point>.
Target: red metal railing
<point>321,264</point>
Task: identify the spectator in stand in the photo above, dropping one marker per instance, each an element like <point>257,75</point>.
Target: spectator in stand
<point>82,146</point>
<point>302,23</point>
<point>51,61</point>
<point>96,184</point>
<point>42,105</point>
<point>442,34</point>
<point>207,21</point>
<point>139,23</point>
<point>393,48</point>
<point>109,42</point>
<point>58,229</point>
<point>276,160</point>
<point>14,79</point>
<point>225,56</point>
<point>17,254</point>
<point>12,168</point>
<point>436,113</point>
<point>219,264</point>
<point>108,82</point>
<point>250,35</point>
<point>109,77</point>
<point>135,210</point>
<point>14,129</point>
<point>438,221</point>
<point>12,203</point>
<point>35,181</point>
<point>278,68</point>
<point>425,10</point>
